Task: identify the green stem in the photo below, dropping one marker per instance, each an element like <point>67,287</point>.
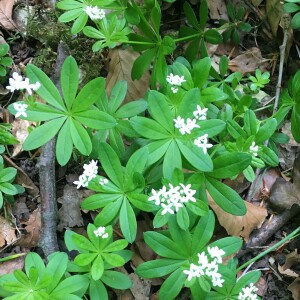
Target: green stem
<point>190,37</point>
<point>137,43</point>
<point>290,236</point>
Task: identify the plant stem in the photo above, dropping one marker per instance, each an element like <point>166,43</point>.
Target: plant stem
<point>272,248</point>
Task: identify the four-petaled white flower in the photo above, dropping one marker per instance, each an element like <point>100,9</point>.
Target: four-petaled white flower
<point>82,181</point>
<point>175,79</point>
<point>172,200</point>
<point>208,265</point>
<point>100,232</point>
<point>216,253</point>
<point>253,149</point>
<point>20,109</point>
<point>17,83</point>
<point>94,12</point>
<point>90,172</point>
<point>185,127</point>
<point>200,113</point>
<point>248,293</point>
<point>103,181</point>
<point>202,142</point>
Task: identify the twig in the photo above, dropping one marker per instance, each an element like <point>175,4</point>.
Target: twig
<point>261,236</point>
<point>48,238</point>
<point>286,26</point>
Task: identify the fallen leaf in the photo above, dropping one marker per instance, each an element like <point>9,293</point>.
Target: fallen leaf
<point>292,259</point>
<point>294,287</point>
<point>119,68</point>
<point>7,232</point>
<point>6,21</point>
<point>9,266</point>
<point>217,10</point>
<point>69,213</point>
<point>287,272</point>
<point>140,288</point>
<point>256,2</point>
<point>274,12</point>
<point>32,227</point>
<point>240,226</point>
<point>248,62</point>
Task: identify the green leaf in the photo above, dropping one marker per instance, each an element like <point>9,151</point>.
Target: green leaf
<point>71,284</point>
<point>212,94</point>
<point>80,137</point>
<point>201,71</point>
<point>225,197</point>
<point>295,121</point>
<point>116,246</point>
<point>230,164</point>
<point>116,280</point>
<point>173,285</point>
<point>203,14</point>
<point>89,94</point>
<point>229,245</point>
<point>168,45</point>
<point>127,221</point>
<point>158,268</point>
<point>183,219</point>
<point>70,15</point>
<point>111,164</point>
<point>189,103</point>
<point>266,131</point>
<point>64,144</point>
<point>131,109</point>
<point>108,213</point>
<point>97,268</point>
<point>250,122</point>
<point>7,174</point>
<point>164,246</point>
<point>47,90</point>
<point>117,95</point>
<point>95,119</point>
<point>268,156</point>
<point>149,128</point>
<point>34,260</point>
<point>98,200</point>
<point>41,135</point>
<point>113,259</point>
<point>156,150</point>
<point>84,259</point>
<point>69,80</point>
<point>141,64</point>
<point>83,243</point>
<point>4,48</point>
<point>160,110</point>
<point>141,202</point>
<point>79,24</point>
<point>172,160</point>
<point>203,232</point>
<point>196,157</point>
<point>223,65</point>
<point>213,36</point>
<point>211,127</point>
<point>190,15</point>
<point>97,290</point>
<point>244,280</point>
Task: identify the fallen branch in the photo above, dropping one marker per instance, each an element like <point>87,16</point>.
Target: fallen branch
<point>48,238</point>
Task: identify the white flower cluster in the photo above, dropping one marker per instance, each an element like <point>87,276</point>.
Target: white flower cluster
<point>202,142</point>
<point>207,266</point>
<point>248,293</point>
<point>20,109</point>
<point>94,12</point>
<point>186,126</point>
<point>103,181</point>
<point>101,232</point>
<point>253,149</point>
<point>175,80</point>
<point>17,83</point>
<point>172,200</point>
<point>90,172</point>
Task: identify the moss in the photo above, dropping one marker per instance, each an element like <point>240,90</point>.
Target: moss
<point>44,27</point>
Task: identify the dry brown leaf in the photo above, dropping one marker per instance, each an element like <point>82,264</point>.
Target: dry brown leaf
<point>119,68</point>
<point>248,62</point>
<point>292,259</point>
<point>9,266</point>
<point>287,272</point>
<point>240,226</point>
<point>7,232</point>
<point>6,21</point>
<point>256,2</point>
<point>274,9</point>
<point>20,131</point>
<point>294,287</point>
<point>217,9</point>
<point>69,213</point>
<point>32,227</point>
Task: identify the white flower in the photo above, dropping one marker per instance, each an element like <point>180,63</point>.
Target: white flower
<point>248,293</point>
<point>17,83</point>
<point>167,208</point>
<point>217,281</point>
<point>200,114</point>
<point>101,232</point>
<point>179,122</point>
<point>174,89</point>
<point>175,79</point>
<point>202,142</point>
<point>94,12</point>
<point>20,109</point>
<point>194,271</point>
<point>215,252</point>
<point>156,196</point>
<point>103,181</point>
<point>253,149</point>
<point>82,181</point>
<point>90,170</point>
<point>185,127</point>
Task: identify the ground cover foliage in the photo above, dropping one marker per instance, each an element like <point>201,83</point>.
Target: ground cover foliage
<point>165,167</point>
